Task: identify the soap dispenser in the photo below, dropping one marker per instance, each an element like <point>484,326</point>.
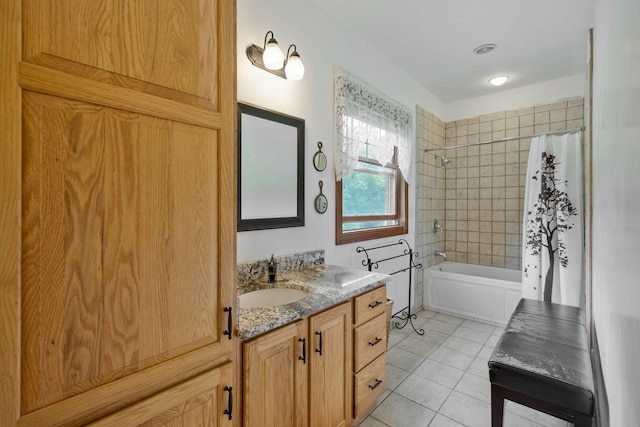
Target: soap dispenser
<point>272,270</point>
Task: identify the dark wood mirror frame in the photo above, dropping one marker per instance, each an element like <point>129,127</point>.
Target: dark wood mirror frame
<point>246,224</point>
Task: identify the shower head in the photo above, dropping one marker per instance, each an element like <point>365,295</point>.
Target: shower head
<point>443,161</point>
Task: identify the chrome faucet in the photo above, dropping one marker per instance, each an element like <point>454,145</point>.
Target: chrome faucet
<point>442,254</point>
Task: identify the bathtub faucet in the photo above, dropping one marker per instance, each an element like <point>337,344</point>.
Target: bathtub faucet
<point>442,254</point>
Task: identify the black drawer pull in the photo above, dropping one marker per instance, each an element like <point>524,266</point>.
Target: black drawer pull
<point>374,342</point>
<point>229,322</point>
<point>374,305</point>
<point>319,350</point>
<point>376,384</point>
<point>304,350</point>
<point>229,410</point>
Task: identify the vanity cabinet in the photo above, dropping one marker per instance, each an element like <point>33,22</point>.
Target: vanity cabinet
<point>329,368</point>
<point>275,378</point>
<point>369,348</point>
<point>300,374</point>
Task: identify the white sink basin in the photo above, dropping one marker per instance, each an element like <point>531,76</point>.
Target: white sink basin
<point>271,297</point>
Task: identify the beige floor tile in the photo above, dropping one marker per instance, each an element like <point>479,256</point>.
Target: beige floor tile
<point>425,392</point>
<point>475,386</point>
<point>398,411</point>
<point>451,357</point>
<point>440,373</point>
<point>404,359</point>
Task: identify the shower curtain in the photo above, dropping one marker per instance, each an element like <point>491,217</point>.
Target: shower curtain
<point>553,231</point>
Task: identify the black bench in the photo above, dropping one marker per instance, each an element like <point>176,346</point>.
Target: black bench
<point>542,361</point>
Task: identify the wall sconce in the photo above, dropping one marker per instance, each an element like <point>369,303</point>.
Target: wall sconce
<point>271,59</point>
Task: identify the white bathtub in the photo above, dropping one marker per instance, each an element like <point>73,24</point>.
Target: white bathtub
<point>474,291</point>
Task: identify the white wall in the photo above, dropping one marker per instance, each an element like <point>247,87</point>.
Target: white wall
<point>322,44</point>
<point>616,203</point>
<point>513,99</point>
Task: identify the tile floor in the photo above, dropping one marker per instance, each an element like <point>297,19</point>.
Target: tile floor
<point>441,379</point>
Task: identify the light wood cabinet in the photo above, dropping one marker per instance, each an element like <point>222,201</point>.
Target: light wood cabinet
<point>370,349</point>
<point>117,215</point>
<point>275,378</point>
<point>300,374</point>
<point>330,389</point>
<point>201,401</point>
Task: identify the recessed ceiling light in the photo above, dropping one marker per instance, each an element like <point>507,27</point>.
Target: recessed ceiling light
<point>485,48</point>
<point>498,80</point>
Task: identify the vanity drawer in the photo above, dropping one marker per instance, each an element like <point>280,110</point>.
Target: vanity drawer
<point>369,385</point>
<point>370,305</point>
<point>370,341</point>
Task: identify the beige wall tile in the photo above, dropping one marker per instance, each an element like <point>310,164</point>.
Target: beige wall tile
<point>513,122</point>
<point>575,102</point>
<point>484,185</point>
<point>541,118</point>
<point>558,115</point>
<point>549,107</point>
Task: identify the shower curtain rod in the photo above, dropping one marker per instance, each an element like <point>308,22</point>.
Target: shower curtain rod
<point>514,138</point>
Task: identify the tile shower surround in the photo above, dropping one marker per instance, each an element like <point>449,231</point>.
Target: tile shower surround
<point>478,198</point>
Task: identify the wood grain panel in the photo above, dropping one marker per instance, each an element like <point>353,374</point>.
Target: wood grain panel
<point>370,305</point>
<point>175,46</point>
<point>370,340</point>
<point>369,384</point>
<point>10,194</point>
<point>330,390</point>
<point>58,83</point>
<point>117,220</point>
<point>119,231</point>
<point>275,379</point>
<point>200,401</point>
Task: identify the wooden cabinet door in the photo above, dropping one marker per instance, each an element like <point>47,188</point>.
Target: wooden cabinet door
<point>330,377</point>
<point>117,206</point>
<point>201,401</point>
<point>275,378</point>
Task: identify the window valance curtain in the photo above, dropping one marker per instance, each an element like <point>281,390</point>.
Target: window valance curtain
<point>364,115</point>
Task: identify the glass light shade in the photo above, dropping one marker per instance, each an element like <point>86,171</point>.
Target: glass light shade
<point>272,56</point>
<point>294,70</point>
<point>498,80</point>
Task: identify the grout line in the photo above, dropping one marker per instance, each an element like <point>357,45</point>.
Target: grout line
<point>427,357</point>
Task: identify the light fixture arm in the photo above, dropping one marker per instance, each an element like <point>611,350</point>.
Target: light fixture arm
<point>266,36</point>
<point>295,50</point>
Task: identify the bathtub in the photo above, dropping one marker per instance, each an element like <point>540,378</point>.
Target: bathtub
<point>475,291</point>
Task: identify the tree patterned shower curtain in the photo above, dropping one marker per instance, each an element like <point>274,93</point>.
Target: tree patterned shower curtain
<point>553,231</point>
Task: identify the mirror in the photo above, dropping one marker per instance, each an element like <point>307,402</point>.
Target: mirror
<point>270,169</point>
<point>319,159</point>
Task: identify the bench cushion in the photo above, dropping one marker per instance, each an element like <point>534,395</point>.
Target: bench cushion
<point>549,309</point>
<point>544,353</point>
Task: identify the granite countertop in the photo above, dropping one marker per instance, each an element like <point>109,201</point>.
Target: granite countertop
<point>328,285</point>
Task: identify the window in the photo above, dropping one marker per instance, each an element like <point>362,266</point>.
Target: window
<point>372,161</point>
<point>371,202</point>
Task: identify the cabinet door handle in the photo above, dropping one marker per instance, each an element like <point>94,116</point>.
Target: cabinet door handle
<point>229,322</point>
<point>374,342</point>
<point>319,350</point>
<point>304,350</point>
<point>375,304</point>
<point>229,409</point>
<point>375,384</point>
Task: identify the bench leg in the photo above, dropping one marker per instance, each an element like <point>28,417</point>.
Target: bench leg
<point>580,420</point>
<point>497,406</point>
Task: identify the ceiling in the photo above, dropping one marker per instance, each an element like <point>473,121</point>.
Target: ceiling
<point>433,40</point>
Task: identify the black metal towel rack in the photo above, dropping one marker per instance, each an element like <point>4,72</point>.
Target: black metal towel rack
<point>404,315</point>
